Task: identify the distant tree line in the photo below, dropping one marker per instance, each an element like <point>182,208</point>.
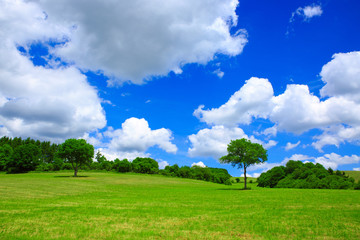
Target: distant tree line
<point>19,155</point>
<point>297,174</point>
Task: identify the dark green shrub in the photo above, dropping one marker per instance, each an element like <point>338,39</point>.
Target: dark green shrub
<point>228,182</point>
<point>122,166</point>
<point>145,165</point>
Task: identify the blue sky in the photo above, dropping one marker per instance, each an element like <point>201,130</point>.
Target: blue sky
<point>176,81</point>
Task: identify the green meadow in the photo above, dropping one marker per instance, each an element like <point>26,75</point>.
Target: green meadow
<point>99,205</point>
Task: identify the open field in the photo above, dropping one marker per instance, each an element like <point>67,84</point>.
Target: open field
<point>130,206</point>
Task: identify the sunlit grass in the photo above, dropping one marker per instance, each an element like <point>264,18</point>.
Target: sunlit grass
<point>131,206</point>
<point>353,174</point>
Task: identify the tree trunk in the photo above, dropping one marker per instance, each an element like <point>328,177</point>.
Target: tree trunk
<point>245,177</point>
<point>75,171</point>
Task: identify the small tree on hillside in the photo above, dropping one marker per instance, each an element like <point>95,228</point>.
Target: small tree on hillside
<point>77,152</point>
<point>243,153</point>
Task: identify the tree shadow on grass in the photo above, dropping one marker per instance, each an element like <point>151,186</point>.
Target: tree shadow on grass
<point>234,189</point>
<point>70,176</point>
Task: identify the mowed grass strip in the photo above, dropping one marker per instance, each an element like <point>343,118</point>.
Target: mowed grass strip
<point>134,206</point>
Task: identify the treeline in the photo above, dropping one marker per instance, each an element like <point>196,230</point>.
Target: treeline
<point>19,155</point>
<point>297,174</point>
<point>150,166</point>
<point>23,155</point>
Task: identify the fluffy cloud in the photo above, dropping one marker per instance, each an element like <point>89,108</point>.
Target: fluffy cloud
<point>134,40</point>
<point>212,142</point>
<point>252,100</point>
<point>199,164</point>
<point>35,101</point>
<point>333,160</point>
<point>342,76</point>
<point>356,169</point>
<point>132,140</point>
<point>136,136</point>
<point>338,115</point>
<point>290,145</point>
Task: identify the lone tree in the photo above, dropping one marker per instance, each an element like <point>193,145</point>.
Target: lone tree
<point>77,152</point>
<point>243,153</point>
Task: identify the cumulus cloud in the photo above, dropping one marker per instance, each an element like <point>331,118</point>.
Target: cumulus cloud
<point>337,114</point>
<point>212,142</point>
<point>136,136</point>
<point>134,40</point>
<point>35,101</point>
<point>342,76</point>
<point>199,164</point>
<point>290,145</point>
<point>333,160</point>
<point>132,140</point>
<point>253,100</point>
<point>356,169</point>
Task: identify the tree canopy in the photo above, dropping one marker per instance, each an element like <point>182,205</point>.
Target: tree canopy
<point>243,153</point>
<point>77,152</point>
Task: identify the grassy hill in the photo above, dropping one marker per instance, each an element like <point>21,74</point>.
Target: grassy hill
<point>353,174</point>
<point>131,206</point>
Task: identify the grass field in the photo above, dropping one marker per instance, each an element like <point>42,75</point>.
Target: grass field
<point>129,206</point>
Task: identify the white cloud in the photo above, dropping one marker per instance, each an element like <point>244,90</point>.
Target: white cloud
<point>333,160</point>
<point>342,76</point>
<point>163,164</point>
<point>338,115</point>
<point>199,164</point>
<point>290,145</point>
<point>111,154</point>
<point>136,136</point>
<point>312,11</point>
<point>297,157</point>
<point>212,142</point>
<point>307,12</point>
<point>219,73</point>
<point>134,40</point>
<point>254,175</point>
<point>41,102</point>
<point>356,169</point>
<point>252,100</point>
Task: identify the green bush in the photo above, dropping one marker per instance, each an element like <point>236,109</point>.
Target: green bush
<point>299,175</point>
<point>145,165</point>
<point>228,182</point>
<point>122,166</point>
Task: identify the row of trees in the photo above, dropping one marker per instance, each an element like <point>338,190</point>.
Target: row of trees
<point>20,156</point>
<point>297,174</point>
